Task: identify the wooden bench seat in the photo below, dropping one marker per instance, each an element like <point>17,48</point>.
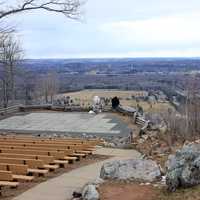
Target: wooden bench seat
<point>18,138</point>
<point>42,145</point>
<point>84,152</point>
<point>79,155</point>
<point>71,159</point>
<point>42,172</point>
<point>51,167</point>
<point>8,176</point>
<point>45,159</point>
<point>47,141</point>
<point>22,177</point>
<point>27,153</point>
<point>62,163</point>
<point>14,168</point>
<point>46,156</point>
<point>32,164</point>
<point>9,183</point>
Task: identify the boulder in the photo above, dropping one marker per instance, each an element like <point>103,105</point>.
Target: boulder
<point>133,170</point>
<point>183,168</point>
<point>90,192</point>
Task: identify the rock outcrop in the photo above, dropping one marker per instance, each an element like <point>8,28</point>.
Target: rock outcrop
<point>133,170</point>
<point>183,168</point>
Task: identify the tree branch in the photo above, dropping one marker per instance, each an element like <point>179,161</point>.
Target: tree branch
<point>69,8</point>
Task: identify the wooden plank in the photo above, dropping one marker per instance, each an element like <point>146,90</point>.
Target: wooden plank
<point>22,177</point>
<point>84,152</point>
<point>56,153</point>
<point>6,176</point>
<point>51,167</point>
<point>11,160</point>
<point>8,183</point>
<point>30,162</point>
<point>14,168</point>
<point>38,171</point>
<point>18,169</point>
<point>62,163</point>
<point>70,158</point>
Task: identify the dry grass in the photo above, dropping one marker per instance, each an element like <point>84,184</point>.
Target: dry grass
<point>89,94</point>
<point>85,97</point>
<point>153,108</point>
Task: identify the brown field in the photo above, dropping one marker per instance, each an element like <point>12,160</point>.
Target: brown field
<point>85,97</point>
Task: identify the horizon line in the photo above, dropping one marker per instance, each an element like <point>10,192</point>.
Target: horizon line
<point>145,57</point>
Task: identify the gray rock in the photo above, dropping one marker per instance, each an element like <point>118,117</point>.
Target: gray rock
<point>183,168</point>
<point>90,193</point>
<point>98,181</point>
<point>138,169</point>
<point>155,119</point>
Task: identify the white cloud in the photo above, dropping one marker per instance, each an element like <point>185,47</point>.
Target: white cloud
<point>122,28</point>
<point>177,30</point>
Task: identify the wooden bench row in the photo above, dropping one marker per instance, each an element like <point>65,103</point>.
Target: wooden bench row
<point>67,154</point>
<point>43,144</point>
<point>75,149</point>
<point>21,158</point>
<point>93,142</point>
<point>6,175</point>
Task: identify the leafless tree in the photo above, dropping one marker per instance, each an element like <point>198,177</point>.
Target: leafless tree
<point>9,48</point>
<point>192,108</point>
<point>185,125</point>
<point>10,54</point>
<point>47,87</point>
<point>53,84</point>
<point>69,8</point>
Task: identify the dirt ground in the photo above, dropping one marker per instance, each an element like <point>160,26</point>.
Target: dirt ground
<point>122,191</point>
<point>8,193</point>
<point>134,191</point>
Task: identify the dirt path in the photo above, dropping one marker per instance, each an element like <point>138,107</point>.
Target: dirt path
<point>62,187</point>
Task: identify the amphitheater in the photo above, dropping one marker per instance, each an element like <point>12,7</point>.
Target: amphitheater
<point>33,146</point>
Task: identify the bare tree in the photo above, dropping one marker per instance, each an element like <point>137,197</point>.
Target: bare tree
<point>192,107</point>
<point>69,8</point>
<point>9,47</point>
<point>10,54</point>
<point>47,87</point>
<point>53,84</point>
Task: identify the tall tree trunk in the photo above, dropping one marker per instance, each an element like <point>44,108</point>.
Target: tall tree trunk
<point>5,94</point>
<point>12,83</point>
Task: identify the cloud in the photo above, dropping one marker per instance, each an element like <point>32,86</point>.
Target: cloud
<point>177,31</point>
<point>122,28</point>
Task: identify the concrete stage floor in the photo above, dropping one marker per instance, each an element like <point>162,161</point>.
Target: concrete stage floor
<point>72,123</point>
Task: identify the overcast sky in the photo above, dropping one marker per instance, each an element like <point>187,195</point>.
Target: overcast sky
<point>115,28</point>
